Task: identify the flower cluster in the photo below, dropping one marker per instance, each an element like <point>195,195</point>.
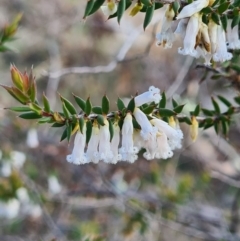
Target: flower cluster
<point>156,136</point>
<point>209,41</point>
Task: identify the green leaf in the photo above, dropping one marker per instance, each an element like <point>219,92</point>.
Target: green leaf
<point>69,131</point>
<point>33,91</point>
<point>135,124</point>
<point>88,131</point>
<point>158,5</point>
<point>208,125</point>
<point>215,3</point>
<point>149,109</point>
<point>105,105</point>
<point>100,120</point>
<point>120,104</point>
<point>187,120</point>
<point>205,20</point>
<point>20,95</point>
<point>215,18</point>
<point>19,109</point>
<point>174,103</point>
<point>36,108</point>
<point>64,135</point>
<point>166,112</point>
<point>207,112</point>
<point>235,21</point>
<point>81,124</point>
<point>111,130</point>
<point>88,107</point>
<point>196,111</point>
<point>45,120</point>
<point>235,67</point>
<point>128,4</point>
<point>224,128</point>
<point>97,110</point>
<point>147,3</point>
<point>175,7</point>
<point>224,101</point>
<point>81,103</point>
<point>216,106</point>
<point>131,105</point>
<point>148,15</point>
<point>57,125</point>
<point>237,99</point>
<point>216,127</point>
<point>236,3</point>
<point>223,7</point>
<point>69,106</point>
<point>65,111</point>
<point>178,109</point>
<point>224,21</point>
<point>163,101</point>
<point>88,8</point>
<point>97,4</point>
<point>121,9</point>
<point>30,115</point>
<point>206,10</point>
<point>46,104</point>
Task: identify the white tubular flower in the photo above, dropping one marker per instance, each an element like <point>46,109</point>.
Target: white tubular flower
<point>110,8</point>
<point>205,39</point>
<point>115,143</point>
<point>146,127</point>
<point>221,54</point>
<point>174,135</point>
<point>128,151</point>
<point>212,31</point>
<point>151,147</point>
<point>192,8</point>
<point>232,36</point>
<point>153,94</point>
<point>78,157</point>
<point>182,27</point>
<point>105,152</point>
<point>92,153</point>
<point>207,56</point>
<point>163,149</point>
<point>137,139</point>
<point>166,36</point>
<point>190,37</point>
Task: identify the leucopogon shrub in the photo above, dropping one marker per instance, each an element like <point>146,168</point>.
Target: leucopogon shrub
<point>113,136</point>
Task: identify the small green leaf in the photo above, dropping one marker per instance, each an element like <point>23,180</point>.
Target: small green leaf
<point>30,115</point>
<point>206,10</point>
<point>175,7</point>
<point>33,91</point>
<point>131,105</point>
<point>69,106</point>
<point>216,127</point>
<point>88,107</point>
<point>135,124</point>
<point>208,125</point>
<point>178,109</point>
<point>81,103</point>
<point>69,130</point>
<point>19,109</point>
<point>163,101</point>
<point>65,110</point>
<point>81,124</point>
<point>174,103</point>
<point>111,130</point>
<point>57,125</point>
<point>105,105</point>
<point>45,120</point>
<point>100,120</point>
<point>196,111</point>
<point>215,3</point>
<point>187,120</point>
<point>128,4</point>
<point>166,112</point>
<point>120,104</point>
<point>97,4</point>
<point>148,15</point>
<point>223,7</point>
<point>46,104</point>
<point>235,67</point>
<point>215,18</point>
<point>224,128</point>
<point>121,9</point>
<point>205,20</point>
<point>237,99</point>
<point>147,3</point>
<point>158,5</point>
<point>88,8</point>
<point>236,3</point>
<point>36,108</point>
<point>207,112</point>
<point>97,110</point>
<point>88,131</point>
<point>64,135</point>
<point>216,106</point>
<point>224,21</point>
<point>149,109</point>
<point>224,101</point>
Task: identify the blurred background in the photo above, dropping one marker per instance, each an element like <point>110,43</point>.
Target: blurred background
<point>192,196</point>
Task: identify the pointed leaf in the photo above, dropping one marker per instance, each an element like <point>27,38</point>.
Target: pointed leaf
<point>57,125</point>
<point>69,106</point>
<point>88,131</point>
<point>224,101</point>
<point>215,18</point>
<point>166,112</point>
<point>121,9</point>
<point>207,112</point>
<point>81,124</point>
<point>69,130</point>
<point>65,111</point>
<point>235,21</point>
<point>216,127</point>
<point>45,120</point>
<point>215,3</point>
<point>237,99</point>
<point>111,130</point>
<point>131,105</point>
<point>147,3</point>
<point>163,101</point>
<point>88,8</point>
<point>97,110</point>
<point>174,103</point>
<point>30,115</point>
<point>46,104</point>
<point>148,15</point>
<point>88,107</point>
<point>120,104</point>
<point>216,106</point>
<point>223,7</point>
<point>97,4</point>
<point>224,21</point>
<point>100,120</point>
<point>19,109</point>
<point>149,109</point>
<point>64,135</point>
<point>197,110</point>
<point>105,105</point>
<point>178,109</point>
<point>81,103</point>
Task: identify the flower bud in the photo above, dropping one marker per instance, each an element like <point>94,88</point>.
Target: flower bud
<point>138,6</point>
<point>194,128</point>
